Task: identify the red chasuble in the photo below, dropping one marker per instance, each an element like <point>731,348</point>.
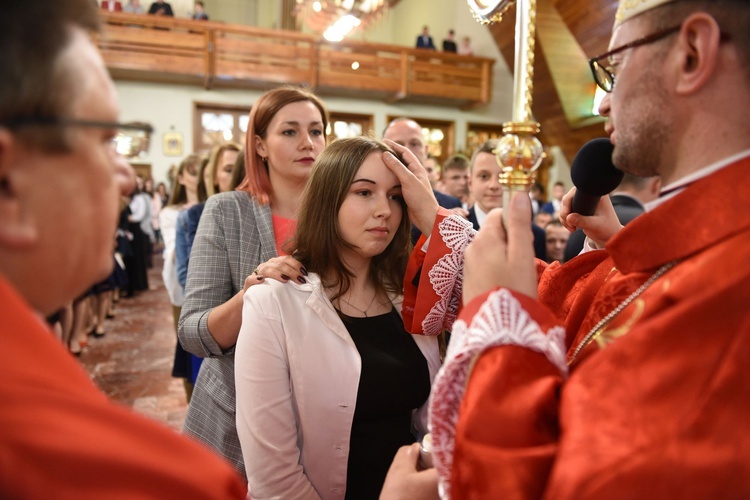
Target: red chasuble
<point>60,437</point>
<point>657,403</point>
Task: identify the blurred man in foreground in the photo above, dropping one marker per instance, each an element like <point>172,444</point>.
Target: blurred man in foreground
<point>60,185</point>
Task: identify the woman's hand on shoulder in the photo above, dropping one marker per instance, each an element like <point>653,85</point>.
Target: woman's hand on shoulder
<point>225,320</point>
<point>281,269</point>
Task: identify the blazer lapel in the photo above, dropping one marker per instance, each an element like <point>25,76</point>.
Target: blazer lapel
<point>321,305</point>
<point>264,223</point>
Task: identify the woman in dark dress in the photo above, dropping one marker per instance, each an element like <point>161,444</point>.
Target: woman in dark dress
<point>137,264</point>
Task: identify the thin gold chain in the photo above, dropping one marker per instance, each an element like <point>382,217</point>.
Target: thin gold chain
<point>625,303</point>
<point>357,308</point>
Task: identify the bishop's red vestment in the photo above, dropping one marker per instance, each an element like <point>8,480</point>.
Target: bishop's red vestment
<point>627,379</point>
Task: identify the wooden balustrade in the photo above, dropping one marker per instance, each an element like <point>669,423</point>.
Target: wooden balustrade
<point>213,54</point>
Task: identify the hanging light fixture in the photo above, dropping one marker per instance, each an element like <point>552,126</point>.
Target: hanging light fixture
<point>334,19</point>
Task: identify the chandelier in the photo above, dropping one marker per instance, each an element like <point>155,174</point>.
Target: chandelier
<point>489,12</point>
<point>334,19</point>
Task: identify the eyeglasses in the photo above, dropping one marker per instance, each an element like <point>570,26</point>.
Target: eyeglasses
<point>603,75</point>
<point>131,140</point>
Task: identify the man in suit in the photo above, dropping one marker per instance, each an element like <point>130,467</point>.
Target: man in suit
<point>553,206</point>
<point>408,133</point>
<point>200,13</point>
<point>628,200</point>
<point>455,178</point>
<point>424,41</point>
<point>487,193</point>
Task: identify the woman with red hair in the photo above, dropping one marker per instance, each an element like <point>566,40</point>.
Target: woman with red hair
<point>238,245</point>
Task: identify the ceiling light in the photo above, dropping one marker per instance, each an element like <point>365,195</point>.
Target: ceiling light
<point>340,28</point>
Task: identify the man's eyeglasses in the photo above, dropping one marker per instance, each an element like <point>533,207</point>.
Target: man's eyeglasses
<point>602,71</point>
<point>131,139</point>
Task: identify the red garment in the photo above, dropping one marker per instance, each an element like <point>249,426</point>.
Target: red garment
<point>657,405</point>
<point>283,230</point>
<point>62,438</point>
<point>106,5</point>
<point>432,282</point>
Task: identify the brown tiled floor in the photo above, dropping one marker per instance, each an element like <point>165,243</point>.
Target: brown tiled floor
<point>132,363</point>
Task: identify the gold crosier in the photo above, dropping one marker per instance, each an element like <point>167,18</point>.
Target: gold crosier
<point>519,152</point>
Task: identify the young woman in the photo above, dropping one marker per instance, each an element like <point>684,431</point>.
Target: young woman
<point>161,190</point>
<point>156,206</point>
<point>184,195</point>
<point>216,177</point>
<point>239,238</point>
<point>328,380</point>
<point>218,174</point>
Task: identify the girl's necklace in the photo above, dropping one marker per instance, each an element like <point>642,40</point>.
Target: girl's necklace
<point>357,308</point>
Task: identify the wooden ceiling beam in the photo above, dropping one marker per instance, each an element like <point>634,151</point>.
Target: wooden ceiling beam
<point>589,24</point>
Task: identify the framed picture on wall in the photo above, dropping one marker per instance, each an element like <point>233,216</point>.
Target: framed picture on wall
<point>172,144</point>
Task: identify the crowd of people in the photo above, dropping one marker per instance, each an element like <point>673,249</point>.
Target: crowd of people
<point>162,8</point>
<point>338,308</point>
<point>137,237</point>
<point>157,8</point>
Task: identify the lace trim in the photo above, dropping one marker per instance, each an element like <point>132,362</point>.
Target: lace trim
<point>446,276</point>
<point>500,321</point>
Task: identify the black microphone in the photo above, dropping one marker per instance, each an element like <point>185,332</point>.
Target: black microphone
<point>594,175</point>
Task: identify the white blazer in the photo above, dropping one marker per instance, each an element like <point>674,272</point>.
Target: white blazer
<point>297,374</point>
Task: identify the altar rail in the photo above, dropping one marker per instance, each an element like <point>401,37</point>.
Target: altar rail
<point>214,54</point>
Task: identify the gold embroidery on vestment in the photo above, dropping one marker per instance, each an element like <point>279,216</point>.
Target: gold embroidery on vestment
<point>605,336</point>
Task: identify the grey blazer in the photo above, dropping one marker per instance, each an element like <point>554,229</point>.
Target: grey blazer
<point>235,234</point>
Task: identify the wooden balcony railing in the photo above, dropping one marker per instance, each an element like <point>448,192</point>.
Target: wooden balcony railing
<point>212,54</point>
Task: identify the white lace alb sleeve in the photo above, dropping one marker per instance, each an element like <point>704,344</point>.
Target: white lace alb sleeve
<point>446,276</point>
<point>500,321</point>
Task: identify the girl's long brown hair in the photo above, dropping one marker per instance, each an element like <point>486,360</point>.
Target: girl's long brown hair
<point>317,243</point>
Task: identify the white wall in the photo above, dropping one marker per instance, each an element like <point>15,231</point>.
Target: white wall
<point>233,11</point>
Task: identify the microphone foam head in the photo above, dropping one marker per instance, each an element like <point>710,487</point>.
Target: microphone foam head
<point>592,171</point>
